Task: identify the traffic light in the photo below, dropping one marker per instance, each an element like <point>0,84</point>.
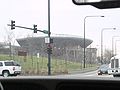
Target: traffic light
<point>12,24</point>
<point>51,40</point>
<point>35,28</point>
<point>49,50</point>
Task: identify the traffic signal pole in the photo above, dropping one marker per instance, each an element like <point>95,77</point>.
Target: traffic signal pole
<point>49,44</point>
<point>44,31</point>
<point>35,31</point>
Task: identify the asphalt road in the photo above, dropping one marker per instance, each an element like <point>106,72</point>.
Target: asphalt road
<point>87,74</point>
<point>92,74</point>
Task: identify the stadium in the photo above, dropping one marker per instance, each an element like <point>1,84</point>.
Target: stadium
<point>38,43</point>
<point>63,47</point>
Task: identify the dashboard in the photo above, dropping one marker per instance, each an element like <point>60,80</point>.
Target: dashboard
<point>59,84</point>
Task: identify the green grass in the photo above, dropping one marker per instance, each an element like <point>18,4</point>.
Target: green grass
<point>34,65</point>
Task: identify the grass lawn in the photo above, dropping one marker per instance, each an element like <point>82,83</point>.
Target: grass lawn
<point>33,65</point>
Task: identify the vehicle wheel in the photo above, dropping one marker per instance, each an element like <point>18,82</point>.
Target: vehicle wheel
<point>5,73</point>
<point>15,75</point>
<point>116,75</point>
<point>100,73</point>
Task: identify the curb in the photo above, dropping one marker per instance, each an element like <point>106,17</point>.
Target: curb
<point>82,70</point>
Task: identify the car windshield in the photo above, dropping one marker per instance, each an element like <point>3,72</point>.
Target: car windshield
<point>58,38</point>
<point>104,67</point>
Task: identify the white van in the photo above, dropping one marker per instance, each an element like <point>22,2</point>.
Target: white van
<point>114,66</point>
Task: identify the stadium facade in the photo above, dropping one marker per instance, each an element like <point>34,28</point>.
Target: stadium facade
<point>70,48</point>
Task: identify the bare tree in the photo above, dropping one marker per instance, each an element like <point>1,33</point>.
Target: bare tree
<point>9,41</point>
<point>107,56</point>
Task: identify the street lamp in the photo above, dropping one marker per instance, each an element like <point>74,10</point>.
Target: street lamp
<point>113,44</point>
<point>85,37</point>
<point>102,41</point>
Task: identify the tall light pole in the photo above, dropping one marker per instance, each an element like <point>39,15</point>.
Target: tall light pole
<point>84,61</point>
<point>102,41</point>
<point>49,54</point>
<point>113,44</point>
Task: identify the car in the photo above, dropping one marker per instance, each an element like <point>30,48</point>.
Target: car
<point>103,69</point>
<point>9,68</point>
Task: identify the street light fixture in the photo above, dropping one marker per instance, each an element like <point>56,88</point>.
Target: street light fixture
<point>102,40</point>
<point>85,38</point>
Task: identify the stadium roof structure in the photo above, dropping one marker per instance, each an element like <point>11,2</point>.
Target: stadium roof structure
<point>57,41</point>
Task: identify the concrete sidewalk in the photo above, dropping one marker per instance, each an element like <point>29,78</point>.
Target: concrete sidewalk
<point>83,70</point>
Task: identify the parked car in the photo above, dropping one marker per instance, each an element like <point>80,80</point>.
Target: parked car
<point>9,68</point>
<point>103,69</point>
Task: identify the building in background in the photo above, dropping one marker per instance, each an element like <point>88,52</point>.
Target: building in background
<point>68,48</point>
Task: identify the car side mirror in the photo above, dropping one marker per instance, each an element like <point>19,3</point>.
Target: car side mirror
<point>101,4</point>
<point>18,65</point>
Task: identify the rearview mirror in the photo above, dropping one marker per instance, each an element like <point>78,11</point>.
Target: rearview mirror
<point>101,4</point>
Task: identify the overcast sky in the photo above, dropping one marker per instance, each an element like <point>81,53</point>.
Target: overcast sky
<point>66,18</point>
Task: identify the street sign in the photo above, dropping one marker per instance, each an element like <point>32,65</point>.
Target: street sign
<point>45,31</point>
<point>22,53</point>
<point>47,40</point>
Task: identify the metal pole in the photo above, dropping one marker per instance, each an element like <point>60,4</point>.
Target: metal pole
<point>10,47</point>
<point>102,41</point>
<point>113,45</point>
<point>49,54</point>
<point>102,45</point>
<point>84,44</point>
<point>116,47</point>
<point>84,61</point>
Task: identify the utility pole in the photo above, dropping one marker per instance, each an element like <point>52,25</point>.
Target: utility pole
<point>49,44</point>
